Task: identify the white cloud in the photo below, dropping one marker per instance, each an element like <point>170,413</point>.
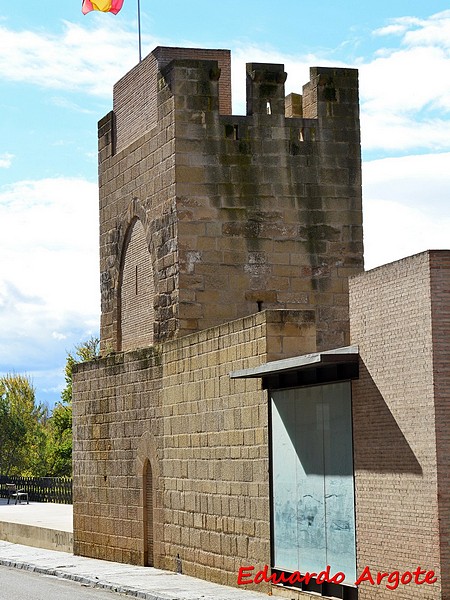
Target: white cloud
<point>49,267</point>
<point>432,31</point>
<point>396,132</point>
<point>56,335</point>
<point>405,93</point>
<point>70,105</point>
<point>398,26</point>
<point>79,59</point>
<point>417,180</point>
<point>393,29</point>
<point>393,231</point>
<point>406,207</point>
<point>6,160</point>
<point>403,81</point>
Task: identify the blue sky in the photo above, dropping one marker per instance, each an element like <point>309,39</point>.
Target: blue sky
<point>57,68</point>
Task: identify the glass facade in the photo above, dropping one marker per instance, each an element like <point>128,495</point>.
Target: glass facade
<point>312,480</point>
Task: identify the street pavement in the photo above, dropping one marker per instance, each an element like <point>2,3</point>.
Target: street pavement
<point>18,584</point>
<point>140,582</point>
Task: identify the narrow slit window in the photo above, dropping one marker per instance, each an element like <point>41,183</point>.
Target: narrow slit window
<point>269,107</point>
<point>232,132</point>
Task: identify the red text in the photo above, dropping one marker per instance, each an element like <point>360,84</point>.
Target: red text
<point>246,577</point>
<point>392,580</point>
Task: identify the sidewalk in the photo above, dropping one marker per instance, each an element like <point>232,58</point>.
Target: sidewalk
<point>139,582</point>
<point>38,524</point>
<point>38,514</point>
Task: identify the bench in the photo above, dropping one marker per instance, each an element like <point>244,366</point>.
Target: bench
<point>13,492</point>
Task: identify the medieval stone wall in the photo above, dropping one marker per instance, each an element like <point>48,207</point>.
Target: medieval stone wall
<point>240,213</point>
<point>269,208</point>
<point>117,401</point>
<point>398,422</point>
<point>135,95</point>
<point>205,437</point>
<point>225,216</point>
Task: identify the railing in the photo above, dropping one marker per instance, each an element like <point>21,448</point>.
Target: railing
<point>41,489</point>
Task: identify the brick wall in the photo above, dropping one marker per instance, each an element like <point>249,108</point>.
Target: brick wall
<point>135,95</point>
<point>137,292</point>
<point>440,315</point>
<point>205,436</point>
<point>395,425</point>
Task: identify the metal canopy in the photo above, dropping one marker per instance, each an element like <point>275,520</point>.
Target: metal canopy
<point>337,364</point>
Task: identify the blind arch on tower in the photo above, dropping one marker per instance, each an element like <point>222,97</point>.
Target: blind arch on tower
<point>136,291</point>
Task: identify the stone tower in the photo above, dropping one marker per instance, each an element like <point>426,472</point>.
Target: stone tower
<point>227,398</point>
<point>226,243</point>
<point>206,217</point>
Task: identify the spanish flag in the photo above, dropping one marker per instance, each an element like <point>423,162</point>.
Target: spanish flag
<point>103,5</point>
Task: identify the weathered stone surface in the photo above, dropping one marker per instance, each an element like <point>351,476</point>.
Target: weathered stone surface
<point>204,435</point>
<point>205,185</point>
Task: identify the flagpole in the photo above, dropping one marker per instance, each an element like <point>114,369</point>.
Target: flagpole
<point>139,28</point>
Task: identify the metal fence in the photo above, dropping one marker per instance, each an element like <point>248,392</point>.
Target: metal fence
<point>41,489</point>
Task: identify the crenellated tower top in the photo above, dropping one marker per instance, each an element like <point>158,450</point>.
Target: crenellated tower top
<point>206,216</point>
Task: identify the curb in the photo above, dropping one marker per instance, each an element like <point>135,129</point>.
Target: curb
<point>93,581</point>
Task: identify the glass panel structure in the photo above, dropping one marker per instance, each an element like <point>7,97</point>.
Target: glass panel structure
<point>312,477</point>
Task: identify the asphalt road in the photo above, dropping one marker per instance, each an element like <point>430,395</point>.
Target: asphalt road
<point>16,584</point>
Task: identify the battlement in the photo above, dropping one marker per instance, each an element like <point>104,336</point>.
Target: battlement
<point>211,216</point>
<point>206,76</point>
<point>135,96</point>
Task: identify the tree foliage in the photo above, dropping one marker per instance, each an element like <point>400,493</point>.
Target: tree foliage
<point>22,428</point>
<point>59,443</point>
<point>32,443</point>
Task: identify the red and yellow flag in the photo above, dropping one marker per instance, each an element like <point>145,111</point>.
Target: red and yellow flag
<point>103,5</point>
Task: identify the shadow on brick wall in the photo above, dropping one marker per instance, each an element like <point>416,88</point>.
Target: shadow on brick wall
<point>379,443</point>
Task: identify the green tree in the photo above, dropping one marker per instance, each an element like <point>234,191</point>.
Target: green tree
<point>59,442</point>
<point>22,428</point>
